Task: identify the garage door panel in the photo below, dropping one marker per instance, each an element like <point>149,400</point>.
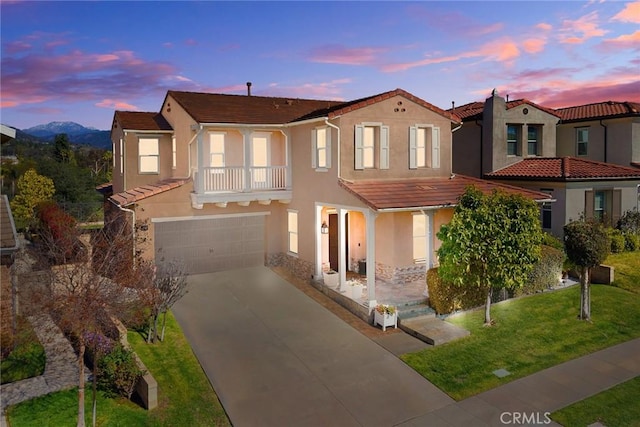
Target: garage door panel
<point>212,244</point>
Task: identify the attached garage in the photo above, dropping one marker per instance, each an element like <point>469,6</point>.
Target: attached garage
<point>212,243</point>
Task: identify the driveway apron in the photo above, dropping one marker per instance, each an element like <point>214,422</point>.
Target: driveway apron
<point>275,357</point>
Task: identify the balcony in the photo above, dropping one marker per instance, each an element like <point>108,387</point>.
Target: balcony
<point>221,185</point>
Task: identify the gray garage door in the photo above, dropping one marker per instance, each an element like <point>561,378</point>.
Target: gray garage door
<point>211,244</point>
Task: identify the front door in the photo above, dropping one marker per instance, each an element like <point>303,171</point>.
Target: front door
<point>334,241</point>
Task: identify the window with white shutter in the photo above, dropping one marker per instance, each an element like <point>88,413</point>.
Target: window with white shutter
<point>371,146</point>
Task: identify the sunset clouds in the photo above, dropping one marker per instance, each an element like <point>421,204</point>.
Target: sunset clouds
<point>555,54</point>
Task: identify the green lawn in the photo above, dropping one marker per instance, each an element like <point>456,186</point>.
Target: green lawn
<point>618,406</point>
<point>27,359</point>
<point>627,270</point>
<point>185,396</point>
<point>531,334</point>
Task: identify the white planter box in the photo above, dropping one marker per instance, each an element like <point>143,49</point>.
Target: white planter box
<point>385,320</point>
<point>331,278</point>
<point>355,291</point>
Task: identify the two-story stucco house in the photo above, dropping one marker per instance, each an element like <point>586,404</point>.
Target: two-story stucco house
<point>559,152</point>
<point>605,132</point>
<point>228,181</point>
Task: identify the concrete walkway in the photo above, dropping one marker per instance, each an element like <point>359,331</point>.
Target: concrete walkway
<point>61,369</point>
<point>276,357</point>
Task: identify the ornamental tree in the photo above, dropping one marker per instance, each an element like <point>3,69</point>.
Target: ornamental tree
<point>587,245</point>
<point>33,189</point>
<point>492,241</point>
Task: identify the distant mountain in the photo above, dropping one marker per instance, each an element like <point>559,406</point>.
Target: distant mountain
<point>77,134</point>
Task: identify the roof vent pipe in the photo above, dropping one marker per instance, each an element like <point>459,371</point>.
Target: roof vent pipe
<point>248,88</point>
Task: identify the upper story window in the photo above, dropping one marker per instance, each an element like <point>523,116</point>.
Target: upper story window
<point>371,146</point>
<point>121,156</point>
<point>582,141</point>
<point>216,151</point>
<point>174,157</point>
<point>424,147</point>
<point>321,148</point>
<point>513,139</point>
<point>148,155</point>
<point>533,140</point>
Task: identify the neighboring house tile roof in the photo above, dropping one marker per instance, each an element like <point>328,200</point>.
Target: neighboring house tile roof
<point>134,195</point>
<point>473,110</point>
<point>140,120</point>
<point>249,109</point>
<point>599,110</point>
<point>8,235</point>
<point>416,193</point>
<point>364,102</point>
<point>564,169</point>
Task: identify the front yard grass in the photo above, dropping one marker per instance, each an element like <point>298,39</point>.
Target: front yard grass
<point>627,270</point>
<point>27,359</point>
<point>530,334</point>
<point>617,406</point>
<point>185,397</point>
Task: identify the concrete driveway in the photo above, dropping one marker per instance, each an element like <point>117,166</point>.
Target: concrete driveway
<point>275,357</point>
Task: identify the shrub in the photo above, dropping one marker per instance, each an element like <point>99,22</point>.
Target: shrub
<point>629,222</point>
<point>553,241</point>
<point>118,372</point>
<point>617,240</point>
<point>445,297</point>
<point>631,241</point>
<point>545,274</point>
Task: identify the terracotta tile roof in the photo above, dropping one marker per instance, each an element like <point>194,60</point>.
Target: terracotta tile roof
<point>471,111</point>
<point>140,120</point>
<point>360,103</point>
<point>223,108</point>
<point>8,235</point>
<point>136,194</point>
<point>425,192</point>
<point>599,110</point>
<point>564,169</point>
<point>106,188</point>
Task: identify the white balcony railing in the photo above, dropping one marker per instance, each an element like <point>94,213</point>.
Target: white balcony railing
<point>240,179</point>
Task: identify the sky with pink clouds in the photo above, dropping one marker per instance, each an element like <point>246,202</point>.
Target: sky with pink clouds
<point>80,61</point>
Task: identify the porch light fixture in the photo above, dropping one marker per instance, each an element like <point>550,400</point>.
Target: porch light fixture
<point>324,228</point>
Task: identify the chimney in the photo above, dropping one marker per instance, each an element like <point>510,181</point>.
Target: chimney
<point>453,105</point>
<point>248,88</point>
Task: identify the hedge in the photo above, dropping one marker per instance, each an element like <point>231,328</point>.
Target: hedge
<point>446,297</point>
<point>545,274</point>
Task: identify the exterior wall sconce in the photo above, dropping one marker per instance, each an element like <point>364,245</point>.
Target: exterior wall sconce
<point>324,228</point>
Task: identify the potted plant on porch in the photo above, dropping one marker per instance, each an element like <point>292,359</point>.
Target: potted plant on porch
<point>385,315</point>
<point>354,289</point>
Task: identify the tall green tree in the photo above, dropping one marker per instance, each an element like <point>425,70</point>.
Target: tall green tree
<point>587,245</point>
<point>62,151</point>
<point>33,189</point>
<point>492,241</point>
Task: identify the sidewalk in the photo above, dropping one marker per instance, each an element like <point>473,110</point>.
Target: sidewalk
<point>543,392</point>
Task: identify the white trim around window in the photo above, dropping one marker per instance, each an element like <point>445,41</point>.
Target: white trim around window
<point>420,228</point>
<point>148,155</point>
<point>174,156</point>
<point>321,148</point>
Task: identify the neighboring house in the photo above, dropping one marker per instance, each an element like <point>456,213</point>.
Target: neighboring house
<point>579,186</point>
<point>8,237</point>
<point>605,131</point>
<point>528,145</point>
<point>226,181</point>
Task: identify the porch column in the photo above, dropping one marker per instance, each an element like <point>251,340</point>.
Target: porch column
<point>287,147</point>
<point>430,243</point>
<point>200,147</point>
<point>342,242</point>
<point>370,229</point>
<point>246,140</point>
<point>318,234</point>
